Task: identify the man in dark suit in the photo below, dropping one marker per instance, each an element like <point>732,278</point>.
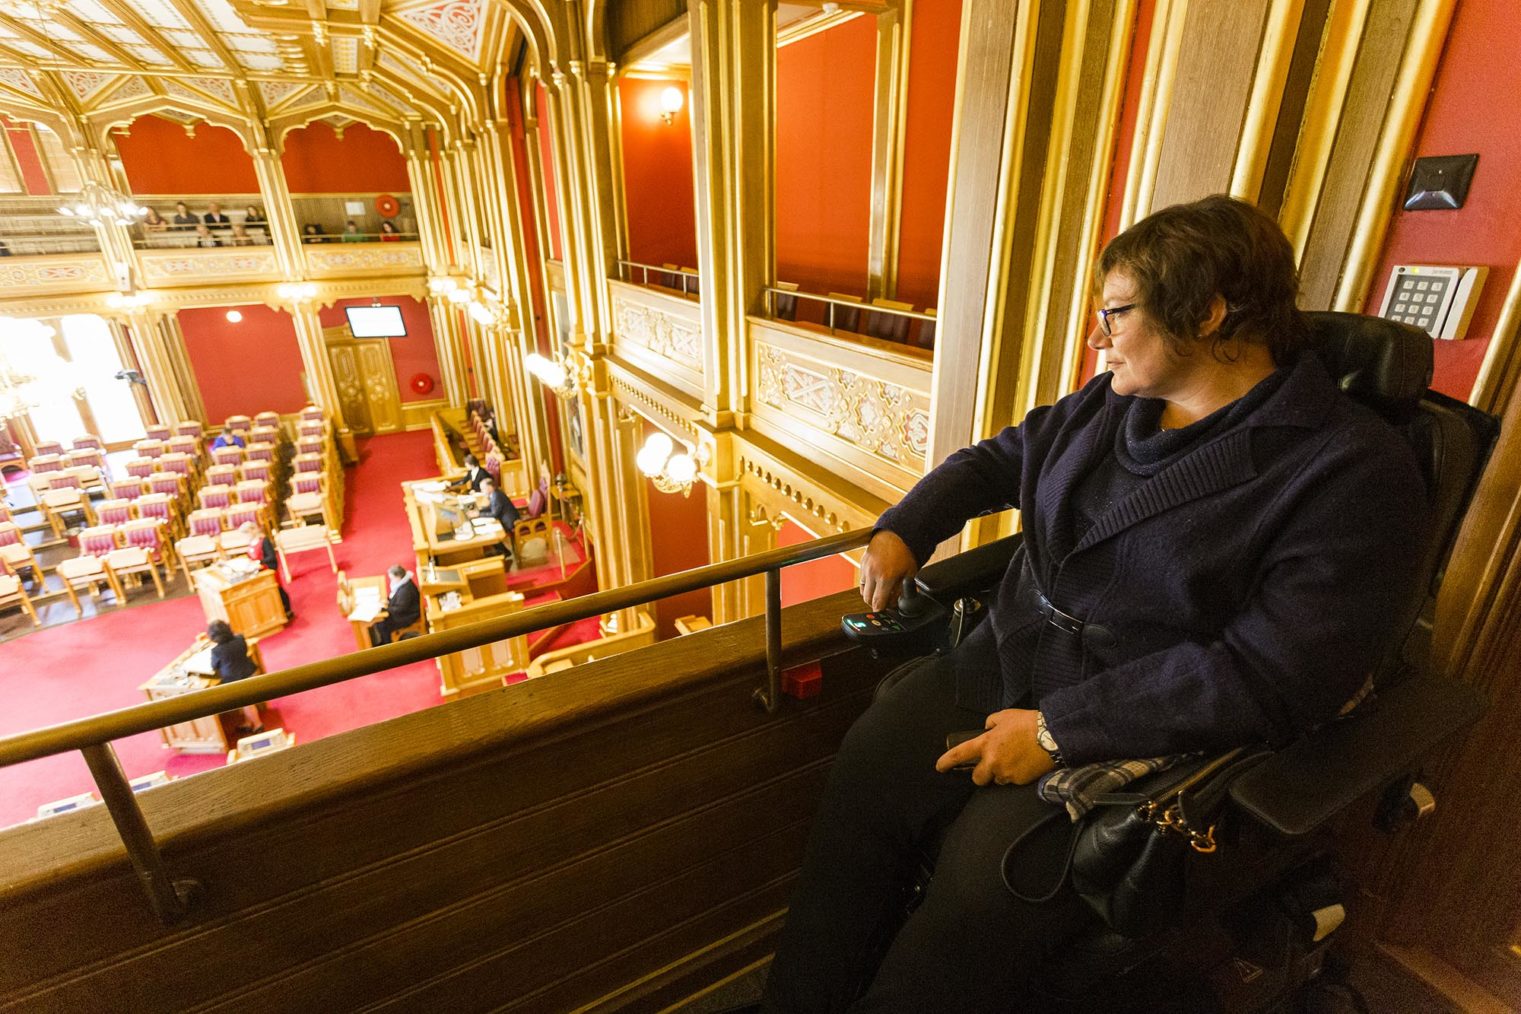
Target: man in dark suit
<point>402,608</point>
<point>500,506</point>
<point>474,475</point>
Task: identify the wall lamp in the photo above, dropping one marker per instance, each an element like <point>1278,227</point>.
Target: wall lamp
<point>554,374</point>
<point>671,471</point>
<point>670,104</point>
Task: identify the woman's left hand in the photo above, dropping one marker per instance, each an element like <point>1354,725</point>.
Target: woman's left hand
<point>1007,754</point>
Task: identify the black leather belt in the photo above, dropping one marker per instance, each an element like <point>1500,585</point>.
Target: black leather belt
<point>1093,634</point>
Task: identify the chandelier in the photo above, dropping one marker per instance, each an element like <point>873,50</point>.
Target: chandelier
<point>102,206</point>
<point>671,471</point>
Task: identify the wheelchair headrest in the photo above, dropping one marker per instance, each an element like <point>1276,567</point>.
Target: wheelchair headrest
<point>1382,363</point>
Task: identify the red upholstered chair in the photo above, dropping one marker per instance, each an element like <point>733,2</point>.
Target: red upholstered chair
<point>264,434</point>
<point>156,432</point>
<point>188,428</point>
<point>45,462</point>
<point>197,549</point>
<point>308,462</point>
<point>148,534</point>
<point>88,477</point>
<point>50,447</point>
<point>925,337</point>
<point>142,467</point>
<point>168,483</point>
<point>98,540</point>
<point>309,445</point>
<point>266,418</point>
<point>311,412</point>
<point>311,428</point>
<point>179,463</point>
<point>888,326</point>
<point>261,452</point>
<point>256,471</point>
<point>493,467</point>
<point>239,423</point>
<point>91,456</point>
<point>88,442</point>
<point>65,480</point>
<point>150,448</point>
<point>215,497</point>
<point>221,475</point>
<point>207,522</point>
<point>114,512</point>
<point>227,455</point>
<point>5,512</point>
<point>125,489</point>
<point>17,555</point>
<point>843,318</point>
<point>306,482</point>
<point>240,514</point>
<point>185,444</point>
<point>58,505</point>
<point>253,491</point>
<point>10,534</point>
<point>162,508</point>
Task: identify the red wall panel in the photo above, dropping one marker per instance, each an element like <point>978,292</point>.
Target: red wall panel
<point>416,353</point>
<point>160,158</point>
<point>246,367</point>
<point>364,161</point>
<point>1483,231</point>
<point>933,43</point>
<point>547,160</point>
<point>657,175</point>
<point>817,578</point>
<point>678,541</point>
<point>34,178</point>
<point>824,107</point>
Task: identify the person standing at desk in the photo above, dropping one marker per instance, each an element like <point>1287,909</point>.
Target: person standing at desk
<point>500,506</point>
<point>230,663</point>
<point>227,438</point>
<point>474,475</point>
<point>403,608</point>
<point>262,548</point>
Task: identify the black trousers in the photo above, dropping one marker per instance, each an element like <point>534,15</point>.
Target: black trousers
<point>970,945</point>
<point>381,630</point>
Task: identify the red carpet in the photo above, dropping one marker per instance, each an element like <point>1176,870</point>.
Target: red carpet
<point>85,668</point>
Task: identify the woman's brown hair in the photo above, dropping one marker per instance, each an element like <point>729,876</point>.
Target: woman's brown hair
<point>1181,257</point>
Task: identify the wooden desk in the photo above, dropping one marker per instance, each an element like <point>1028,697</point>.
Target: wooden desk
<point>477,668</point>
<point>249,603</point>
<point>444,550</point>
<point>202,735</point>
<point>474,579</point>
<point>361,627</point>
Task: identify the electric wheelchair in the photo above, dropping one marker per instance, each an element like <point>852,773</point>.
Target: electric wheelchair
<point>1261,917</point>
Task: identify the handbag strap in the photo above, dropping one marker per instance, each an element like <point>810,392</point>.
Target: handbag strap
<point>1041,896</point>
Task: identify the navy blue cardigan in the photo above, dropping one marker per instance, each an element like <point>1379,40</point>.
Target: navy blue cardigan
<point>1250,586</point>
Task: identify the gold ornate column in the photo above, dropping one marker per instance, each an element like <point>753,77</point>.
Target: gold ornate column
<point>891,113</point>
<point>447,339</point>
<point>726,522</point>
<point>436,255</point>
<point>284,229</point>
<point>320,383</point>
<point>157,349</point>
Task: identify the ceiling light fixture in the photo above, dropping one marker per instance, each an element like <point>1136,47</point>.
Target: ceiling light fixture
<point>671,471</point>
<point>101,206</point>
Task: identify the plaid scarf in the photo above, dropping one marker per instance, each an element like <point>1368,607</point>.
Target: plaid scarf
<point>1077,788</point>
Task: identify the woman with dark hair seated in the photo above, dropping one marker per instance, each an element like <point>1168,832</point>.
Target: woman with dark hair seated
<point>1215,541</point>
<point>230,662</point>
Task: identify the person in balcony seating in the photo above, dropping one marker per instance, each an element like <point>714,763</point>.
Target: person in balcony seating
<point>215,217</point>
<point>403,607</point>
<point>1216,543</point>
<point>154,222</point>
<point>228,438</point>
<point>351,233</point>
<point>312,232</point>
<point>183,220</point>
<point>203,236</point>
<point>253,216</point>
<point>389,232</point>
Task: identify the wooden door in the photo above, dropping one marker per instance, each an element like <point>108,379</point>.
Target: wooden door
<point>349,379</point>
<point>379,376</point>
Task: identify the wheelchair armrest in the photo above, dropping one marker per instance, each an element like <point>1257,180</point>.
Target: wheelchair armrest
<point>970,572</point>
<point>1304,785</point>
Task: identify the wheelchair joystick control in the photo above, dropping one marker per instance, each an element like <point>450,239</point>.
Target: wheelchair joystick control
<point>907,627</point>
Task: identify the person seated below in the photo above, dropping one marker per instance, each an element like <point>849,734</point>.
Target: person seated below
<point>227,438</point>
<point>351,233</point>
<point>474,476</point>
<point>1216,544</point>
<point>183,220</point>
<point>402,608</point>
<point>203,236</point>
<point>230,662</point>
<point>500,506</point>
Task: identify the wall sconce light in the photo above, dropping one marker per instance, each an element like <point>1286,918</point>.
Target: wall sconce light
<point>552,373</point>
<point>234,316</point>
<point>671,470</point>
<point>670,104</point>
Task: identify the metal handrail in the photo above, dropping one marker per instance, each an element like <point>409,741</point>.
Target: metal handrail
<point>772,293</point>
<point>139,718</point>
<point>647,268</point>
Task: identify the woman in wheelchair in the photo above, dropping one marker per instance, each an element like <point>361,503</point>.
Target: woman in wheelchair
<point>1215,539</point>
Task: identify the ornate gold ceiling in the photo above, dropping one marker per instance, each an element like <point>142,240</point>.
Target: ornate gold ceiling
<point>88,65</point>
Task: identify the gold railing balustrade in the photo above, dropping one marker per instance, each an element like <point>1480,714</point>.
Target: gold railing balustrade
<point>688,278</point>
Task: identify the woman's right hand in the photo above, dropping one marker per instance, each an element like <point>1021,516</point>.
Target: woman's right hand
<point>887,563</point>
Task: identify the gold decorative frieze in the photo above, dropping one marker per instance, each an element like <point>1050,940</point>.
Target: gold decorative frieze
<point>866,405</point>
<point>181,267</point>
<point>334,260</point>
<point>660,333</point>
<point>25,276</point>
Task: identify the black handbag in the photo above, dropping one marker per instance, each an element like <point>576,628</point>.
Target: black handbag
<point>1127,857</point>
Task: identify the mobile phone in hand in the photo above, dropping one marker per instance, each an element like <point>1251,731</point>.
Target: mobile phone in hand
<point>955,739</point>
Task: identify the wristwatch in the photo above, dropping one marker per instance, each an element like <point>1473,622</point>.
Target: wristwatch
<point>1047,741</point>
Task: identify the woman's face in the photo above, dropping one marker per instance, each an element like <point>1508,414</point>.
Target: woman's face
<point>1139,359</point>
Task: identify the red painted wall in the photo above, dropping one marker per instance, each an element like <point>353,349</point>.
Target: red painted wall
<point>244,368</point>
<point>547,161</point>
<point>657,175</point>
<point>365,161</point>
<point>808,581</point>
<point>824,106</point>
<point>1469,81</point>
<point>416,353</point>
<point>34,179</point>
<point>933,42</point>
<point>678,541</point>
<point>160,158</point>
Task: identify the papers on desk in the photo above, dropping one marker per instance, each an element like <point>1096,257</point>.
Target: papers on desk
<point>486,526</point>
<point>367,605</point>
<point>200,663</point>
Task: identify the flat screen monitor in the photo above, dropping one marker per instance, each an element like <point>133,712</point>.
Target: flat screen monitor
<point>376,321</point>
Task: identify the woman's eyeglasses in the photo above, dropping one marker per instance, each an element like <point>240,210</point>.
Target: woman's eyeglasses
<point>1113,311</point>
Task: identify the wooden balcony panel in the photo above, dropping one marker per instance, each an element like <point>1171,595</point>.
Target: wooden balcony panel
<point>362,260</point>
<point>46,274</point>
<point>208,266</point>
<point>614,833</point>
<point>661,333</point>
<point>861,402</point>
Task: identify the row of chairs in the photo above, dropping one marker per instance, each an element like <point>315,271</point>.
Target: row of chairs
<point>491,456</point>
<point>83,457</point>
